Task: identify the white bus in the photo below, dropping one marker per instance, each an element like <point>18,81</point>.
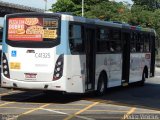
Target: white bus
<point>59,52</point>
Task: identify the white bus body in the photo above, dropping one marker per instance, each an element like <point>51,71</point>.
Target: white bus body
<point>35,67</point>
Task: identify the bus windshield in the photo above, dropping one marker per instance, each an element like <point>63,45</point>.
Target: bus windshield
<point>32,29</point>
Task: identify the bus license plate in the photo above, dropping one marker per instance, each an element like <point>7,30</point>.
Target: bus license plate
<point>30,75</point>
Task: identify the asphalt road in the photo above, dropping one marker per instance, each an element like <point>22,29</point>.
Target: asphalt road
<point>118,103</point>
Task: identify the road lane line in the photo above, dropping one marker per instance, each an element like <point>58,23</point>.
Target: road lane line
<point>6,103</point>
<point>2,94</point>
<point>16,108</point>
<point>82,110</point>
<point>129,113</point>
<point>35,109</point>
<point>50,110</point>
<point>28,112</point>
<point>63,113</point>
<point>121,104</point>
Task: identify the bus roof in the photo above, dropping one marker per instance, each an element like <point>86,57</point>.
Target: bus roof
<point>70,17</point>
<point>105,23</point>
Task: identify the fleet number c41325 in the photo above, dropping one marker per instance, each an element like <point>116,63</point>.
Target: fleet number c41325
<point>42,55</point>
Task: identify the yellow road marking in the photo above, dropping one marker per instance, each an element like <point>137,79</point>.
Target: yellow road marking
<point>129,113</point>
<point>82,110</point>
<point>35,109</point>
<point>65,109</point>
<point>7,93</point>
<point>92,110</point>
<point>30,111</point>
<point>121,104</point>
<point>15,108</point>
<point>6,103</point>
<point>97,110</point>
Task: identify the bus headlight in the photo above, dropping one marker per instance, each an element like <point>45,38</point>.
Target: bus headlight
<point>58,70</point>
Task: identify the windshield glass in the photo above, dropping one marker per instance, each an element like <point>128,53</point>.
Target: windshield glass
<point>32,29</point>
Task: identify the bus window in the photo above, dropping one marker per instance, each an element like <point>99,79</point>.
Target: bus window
<point>133,42</point>
<point>146,43</point>
<point>140,42</point>
<point>115,42</point>
<point>75,39</point>
<point>103,37</point>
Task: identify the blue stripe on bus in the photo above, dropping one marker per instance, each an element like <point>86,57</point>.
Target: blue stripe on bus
<point>4,45</point>
<point>63,48</point>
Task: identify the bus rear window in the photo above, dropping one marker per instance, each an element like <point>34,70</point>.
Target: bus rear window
<point>32,29</point>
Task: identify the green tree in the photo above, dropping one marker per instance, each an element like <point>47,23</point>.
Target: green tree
<point>111,11</point>
<point>63,6</point>
<point>148,4</point>
<point>140,16</point>
<point>74,6</point>
<point>146,13</point>
<point>101,9</point>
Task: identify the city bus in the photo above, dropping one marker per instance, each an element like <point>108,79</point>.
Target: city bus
<point>60,52</point>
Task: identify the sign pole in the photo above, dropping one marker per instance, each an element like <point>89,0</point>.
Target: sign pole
<point>82,8</point>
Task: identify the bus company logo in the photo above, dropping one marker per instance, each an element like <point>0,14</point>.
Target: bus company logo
<point>30,51</point>
<point>14,53</point>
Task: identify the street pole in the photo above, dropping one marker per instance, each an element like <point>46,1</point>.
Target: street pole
<point>82,8</point>
<point>45,5</point>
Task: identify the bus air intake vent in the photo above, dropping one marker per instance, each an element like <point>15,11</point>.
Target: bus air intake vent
<point>58,71</point>
<point>5,66</point>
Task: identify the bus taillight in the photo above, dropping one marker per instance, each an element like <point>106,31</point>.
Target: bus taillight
<point>5,66</point>
<point>58,70</point>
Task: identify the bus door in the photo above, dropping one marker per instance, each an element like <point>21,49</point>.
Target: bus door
<point>90,58</point>
<point>125,58</point>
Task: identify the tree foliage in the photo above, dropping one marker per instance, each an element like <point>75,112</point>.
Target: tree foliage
<point>145,13</point>
<point>148,4</point>
<point>74,6</point>
<point>102,9</point>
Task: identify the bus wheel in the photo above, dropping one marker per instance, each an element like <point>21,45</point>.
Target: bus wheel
<point>102,85</point>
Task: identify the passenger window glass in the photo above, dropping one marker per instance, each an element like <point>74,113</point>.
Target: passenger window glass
<point>75,39</point>
<point>133,42</point>
<point>115,42</point>
<point>103,40</point>
<point>108,40</point>
<point>146,43</point>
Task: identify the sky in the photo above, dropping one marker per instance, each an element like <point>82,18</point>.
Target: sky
<point>32,3</point>
<point>38,4</point>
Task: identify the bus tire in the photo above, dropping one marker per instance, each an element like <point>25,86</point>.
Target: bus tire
<point>102,84</point>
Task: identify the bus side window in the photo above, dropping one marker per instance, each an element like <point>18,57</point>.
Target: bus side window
<point>146,43</point>
<point>75,39</point>
<point>102,40</point>
<point>115,42</point>
<point>133,43</point>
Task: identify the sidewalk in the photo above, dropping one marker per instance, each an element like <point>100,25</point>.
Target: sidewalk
<point>157,71</point>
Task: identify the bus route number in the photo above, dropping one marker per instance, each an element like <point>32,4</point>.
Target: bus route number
<point>42,55</point>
